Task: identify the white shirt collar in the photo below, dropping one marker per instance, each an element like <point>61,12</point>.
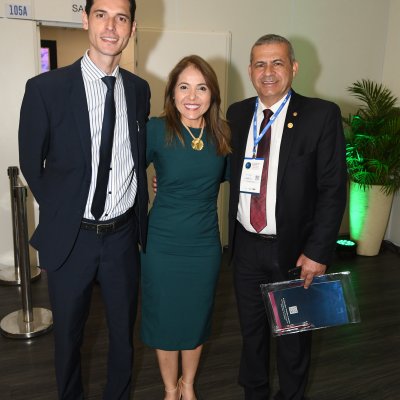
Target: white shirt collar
<point>91,71</point>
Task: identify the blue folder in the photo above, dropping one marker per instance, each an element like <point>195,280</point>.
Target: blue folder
<point>329,301</point>
<point>321,305</point>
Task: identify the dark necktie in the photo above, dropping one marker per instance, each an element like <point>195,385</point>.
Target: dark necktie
<point>107,137</point>
<point>258,215</point>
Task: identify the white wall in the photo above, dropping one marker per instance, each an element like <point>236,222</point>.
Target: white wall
<point>336,42</point>
<point>19,62</point>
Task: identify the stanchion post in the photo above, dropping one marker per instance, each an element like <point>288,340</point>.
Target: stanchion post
<point>20,194</point>
<point>28,322</point>
<point>13,173</point>
<point>11,275</point>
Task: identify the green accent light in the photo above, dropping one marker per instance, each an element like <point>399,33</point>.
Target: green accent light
<point>357,211</point>
<point>346,247</point>
<point>346,243</point>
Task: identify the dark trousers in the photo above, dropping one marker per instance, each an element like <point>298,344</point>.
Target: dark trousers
<point>255,261</point>
<point>112,260</point>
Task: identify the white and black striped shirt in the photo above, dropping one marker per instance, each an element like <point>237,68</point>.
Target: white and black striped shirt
<point>122,180</point>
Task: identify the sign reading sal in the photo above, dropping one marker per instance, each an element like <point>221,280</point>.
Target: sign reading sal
<point>18,10</point>
<point>77,7</point>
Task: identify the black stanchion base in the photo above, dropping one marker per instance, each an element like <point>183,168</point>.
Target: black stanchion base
<point>9,275</point>
<point>13,325</point>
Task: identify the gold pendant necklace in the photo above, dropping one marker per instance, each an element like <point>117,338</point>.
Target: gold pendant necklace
<point>197,143</point>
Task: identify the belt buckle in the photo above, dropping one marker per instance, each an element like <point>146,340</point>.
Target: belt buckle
<point>267,237</point>
<point>104,228</point>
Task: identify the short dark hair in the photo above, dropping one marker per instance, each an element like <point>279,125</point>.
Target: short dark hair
<point>132,8</point>
<point>272,38</point>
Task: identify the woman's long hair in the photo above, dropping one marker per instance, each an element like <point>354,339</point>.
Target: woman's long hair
<point>216,126</point>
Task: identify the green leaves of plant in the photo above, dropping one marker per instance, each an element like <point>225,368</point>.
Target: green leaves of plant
<point>373,137</point>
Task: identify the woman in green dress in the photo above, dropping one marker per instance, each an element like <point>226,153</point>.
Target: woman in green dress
<point>188,147</point>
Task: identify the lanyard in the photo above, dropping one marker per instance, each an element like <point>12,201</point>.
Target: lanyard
<point>257,137</point>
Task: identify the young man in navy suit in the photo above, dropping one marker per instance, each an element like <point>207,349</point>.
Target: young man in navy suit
<point>81,241</point>
<point>297,222</point>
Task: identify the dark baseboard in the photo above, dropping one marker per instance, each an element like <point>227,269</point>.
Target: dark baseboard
<point>388,245</point>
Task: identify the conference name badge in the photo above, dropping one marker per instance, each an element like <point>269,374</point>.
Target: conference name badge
<point>251,175</point>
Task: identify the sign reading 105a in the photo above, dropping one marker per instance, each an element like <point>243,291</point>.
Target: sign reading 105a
<point>14,10</point>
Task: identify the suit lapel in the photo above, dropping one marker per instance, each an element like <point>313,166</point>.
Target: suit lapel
<point>289,130</point>
<point>130,96</point>
<point>244,122</point>
<point>80,109</point>
<point>240,128</point>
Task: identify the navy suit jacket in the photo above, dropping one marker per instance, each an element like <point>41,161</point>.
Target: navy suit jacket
<point>312,178</point>
<point>55,155</point>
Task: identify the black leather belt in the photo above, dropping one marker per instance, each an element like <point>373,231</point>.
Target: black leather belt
<point>261,236</point>
<point>107,226</point>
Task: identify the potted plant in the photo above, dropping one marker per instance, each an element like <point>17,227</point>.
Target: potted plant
<point>373,162</point>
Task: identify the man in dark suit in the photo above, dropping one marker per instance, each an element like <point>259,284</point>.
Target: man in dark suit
<point>81,241</point>
<point>297,221</point>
